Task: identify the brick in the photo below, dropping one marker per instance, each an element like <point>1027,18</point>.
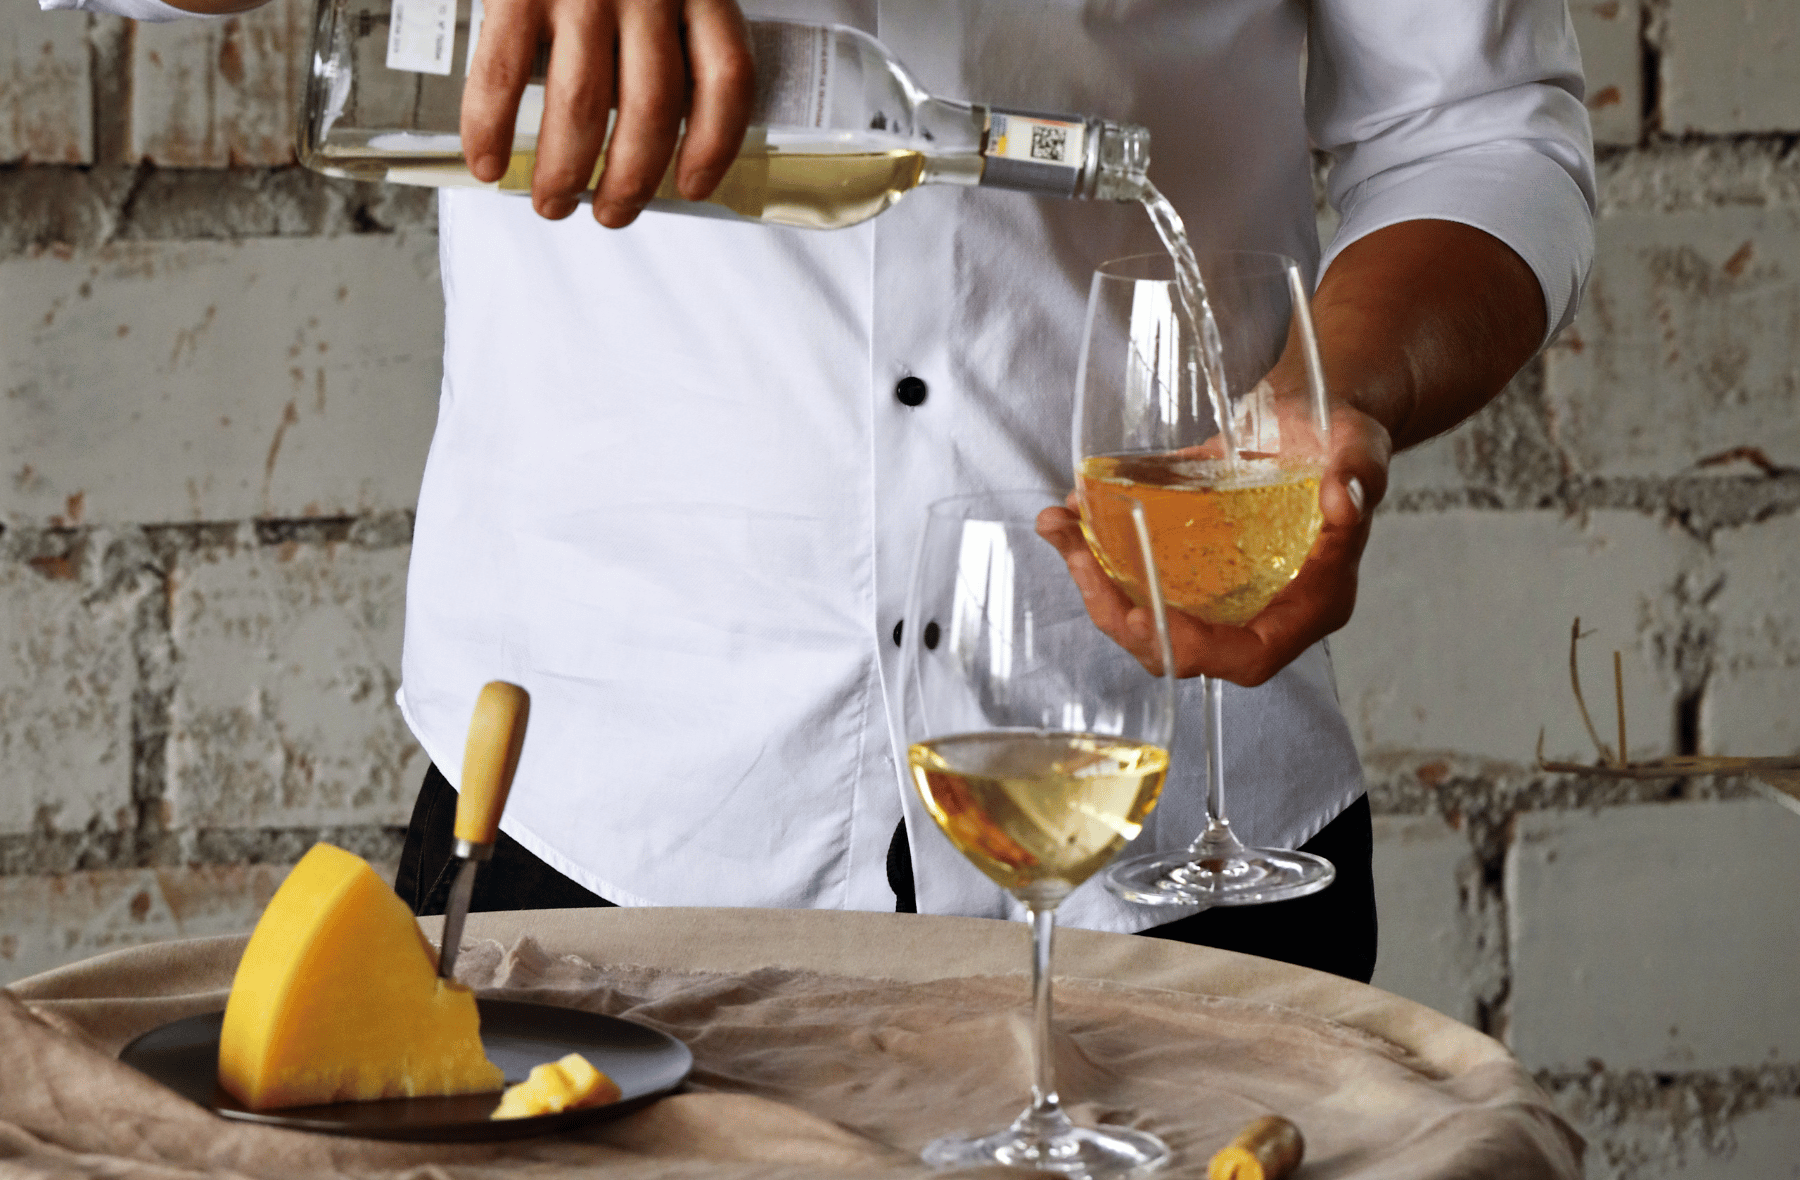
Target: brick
<point>218,93</point>
<point>1749,707</point>
<point>1660,937</point>
<point>1432,466</point>
<point>46,107</point>
<point>1502,454</point>
<point>1730,67</point>
<point>1681,1139</point>
<point>1439,945</point>
<point>1612,58</point>
<point>1461,635</point>
<point>1697,175</point>
<point>153,382</point>
<point>287,658</point>
<point>67,674</point>
<point>1688,344</point>
<point>54,921</point>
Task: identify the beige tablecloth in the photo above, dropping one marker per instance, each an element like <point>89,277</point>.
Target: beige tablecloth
<point>825,1044</point>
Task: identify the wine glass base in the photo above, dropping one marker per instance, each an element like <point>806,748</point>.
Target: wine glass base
<point>1251,876</point>
<point>1081,1152</point>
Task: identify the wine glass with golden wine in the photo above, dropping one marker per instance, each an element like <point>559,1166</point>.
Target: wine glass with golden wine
<point>1204,405</point>
<point>1039,747</point>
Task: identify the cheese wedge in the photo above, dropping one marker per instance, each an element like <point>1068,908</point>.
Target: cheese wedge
<point>337,999</point>
<point>568,1084</point>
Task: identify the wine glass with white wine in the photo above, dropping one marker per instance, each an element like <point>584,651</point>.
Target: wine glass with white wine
<point>1038,746</point>
<point>1208,415</point>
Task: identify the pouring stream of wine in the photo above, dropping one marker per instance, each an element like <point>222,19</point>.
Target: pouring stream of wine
<point>1196,310</point>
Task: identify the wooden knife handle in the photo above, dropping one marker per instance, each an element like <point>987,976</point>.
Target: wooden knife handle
<point>1268,1149</point>
<point>496,735</point>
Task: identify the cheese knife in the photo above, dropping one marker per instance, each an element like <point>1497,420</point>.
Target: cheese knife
<point>496,735</point>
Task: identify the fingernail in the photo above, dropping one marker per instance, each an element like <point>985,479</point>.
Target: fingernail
<point>1354,487</point>
<point>619,214</point>
<point>557,208</point>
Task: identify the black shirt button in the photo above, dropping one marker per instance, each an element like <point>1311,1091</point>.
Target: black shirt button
<point>897,627</point>
<point>931,636</point>
<point>911,391</point>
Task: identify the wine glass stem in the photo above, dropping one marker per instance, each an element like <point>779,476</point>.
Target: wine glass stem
<point>1217,841</point>
<point>1213,706</point>
<point>1045,1105</point>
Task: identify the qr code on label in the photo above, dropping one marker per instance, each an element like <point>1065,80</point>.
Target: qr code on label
<point>1049,143</point>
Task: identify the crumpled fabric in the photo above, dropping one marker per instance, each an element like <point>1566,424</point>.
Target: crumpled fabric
<point>800,1073</point>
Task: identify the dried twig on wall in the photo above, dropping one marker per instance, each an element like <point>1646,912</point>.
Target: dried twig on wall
<point>1780,774</point>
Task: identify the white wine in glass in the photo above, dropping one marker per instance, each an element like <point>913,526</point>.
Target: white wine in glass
<point>1223,455</point>
<point>1227,537</point>
<point>1039,747</point>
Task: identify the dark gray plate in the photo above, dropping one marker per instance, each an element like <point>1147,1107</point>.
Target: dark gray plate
<point>646,1064</point>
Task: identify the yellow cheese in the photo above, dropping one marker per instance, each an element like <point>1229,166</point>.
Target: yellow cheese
<point>337,998</point>
<point>568,1084</point>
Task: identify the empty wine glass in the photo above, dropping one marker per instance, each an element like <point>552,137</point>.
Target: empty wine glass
<point>1039,746</point>
<point>1226,471</point>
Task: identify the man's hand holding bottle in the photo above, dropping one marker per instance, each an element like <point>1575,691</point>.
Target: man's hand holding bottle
<point>657,62</point>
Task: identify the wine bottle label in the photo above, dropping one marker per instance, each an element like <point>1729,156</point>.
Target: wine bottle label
<point>421,36</point>
<point>1037,140</point>
<point>1035,153</point>
<point>793,74</point>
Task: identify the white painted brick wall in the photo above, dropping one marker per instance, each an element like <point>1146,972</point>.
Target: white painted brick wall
<point>1612,58</point>
<point>287,659</point>
<point>67,673</point>
<point>53,921</point>
<point>1688,344</point>
<point>1731,67</point>
<point>1439,946</point>
<point>1436,465</point>
<point>45,88</point>
<point>1461,636</point>
<point>1681,1142</point>
<point>275,377</point>
<point>217,93</point>
<point>1752,702</point>
<point>58,920</point>
<point>1658,937</point>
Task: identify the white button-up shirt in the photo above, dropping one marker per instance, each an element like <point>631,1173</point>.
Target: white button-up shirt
<point>673,493</point>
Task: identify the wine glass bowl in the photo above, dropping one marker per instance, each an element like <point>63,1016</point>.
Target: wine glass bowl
<point>1228,477</point>
<point>1212,418</point>
<point>1038,746</point>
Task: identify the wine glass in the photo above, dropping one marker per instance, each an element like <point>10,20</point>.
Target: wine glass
<point>1222,449</point>
<point>1038,746</point>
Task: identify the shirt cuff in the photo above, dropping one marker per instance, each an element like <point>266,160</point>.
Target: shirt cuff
<point>1516,194</point>
<point>149,11</point>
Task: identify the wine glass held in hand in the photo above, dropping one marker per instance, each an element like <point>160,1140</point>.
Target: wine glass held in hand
<point>1038,746</point>
<point>1204,404</point>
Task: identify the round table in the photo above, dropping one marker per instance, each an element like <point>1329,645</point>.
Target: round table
<point>827,1043</point>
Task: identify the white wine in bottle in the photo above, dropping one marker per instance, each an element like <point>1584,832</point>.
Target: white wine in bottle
<point>839,130</point>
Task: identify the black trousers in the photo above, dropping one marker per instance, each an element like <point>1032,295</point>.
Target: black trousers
<point>1333,930</point>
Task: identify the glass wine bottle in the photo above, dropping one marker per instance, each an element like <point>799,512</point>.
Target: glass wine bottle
<point>839,131</point>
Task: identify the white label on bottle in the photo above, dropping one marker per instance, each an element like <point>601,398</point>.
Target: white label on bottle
<point>793,74</point>
<point>1038,141</point>
<point>421,36</point>
<point>476,12</point>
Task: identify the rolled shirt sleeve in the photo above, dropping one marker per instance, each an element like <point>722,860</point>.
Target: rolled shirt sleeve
<point>142,10</point>
<point>1469,112</point>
